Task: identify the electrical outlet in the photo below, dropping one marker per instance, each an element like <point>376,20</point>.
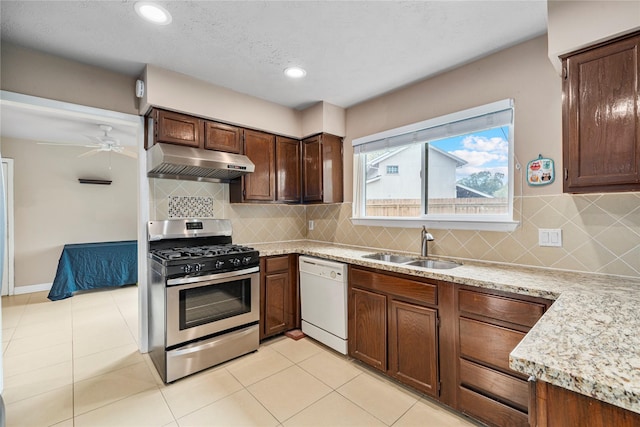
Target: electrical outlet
<point>550,237</point>
<point>311,225</point>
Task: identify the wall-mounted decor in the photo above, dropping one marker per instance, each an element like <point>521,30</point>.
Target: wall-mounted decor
<point>540,171</point>
<point>94,181</point>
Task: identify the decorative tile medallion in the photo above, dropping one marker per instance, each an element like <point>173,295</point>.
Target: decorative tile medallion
<point>190,207</point>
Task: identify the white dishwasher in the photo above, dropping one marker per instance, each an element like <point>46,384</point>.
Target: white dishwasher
<point>323,299</point>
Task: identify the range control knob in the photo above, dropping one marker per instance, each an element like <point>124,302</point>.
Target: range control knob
<point>246,260</point>
<point>219,264</point>
<point>235,261</point>
<point>187,268</point>
<point>197,267</point>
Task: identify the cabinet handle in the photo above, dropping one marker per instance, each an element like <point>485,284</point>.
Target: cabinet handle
<point>566,174</point>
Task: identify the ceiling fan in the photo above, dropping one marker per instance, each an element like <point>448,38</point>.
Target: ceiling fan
<point>102,143</point>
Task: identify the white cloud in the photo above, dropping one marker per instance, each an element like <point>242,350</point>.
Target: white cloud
<point>479,158</point>
<point>491,145</point>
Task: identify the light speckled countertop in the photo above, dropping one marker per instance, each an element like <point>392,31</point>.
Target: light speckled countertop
<point>587,342</point>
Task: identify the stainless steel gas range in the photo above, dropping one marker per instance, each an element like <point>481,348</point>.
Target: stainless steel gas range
<point>203,296</point>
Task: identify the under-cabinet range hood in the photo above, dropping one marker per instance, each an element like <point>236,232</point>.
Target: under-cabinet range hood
<point>195,164</point>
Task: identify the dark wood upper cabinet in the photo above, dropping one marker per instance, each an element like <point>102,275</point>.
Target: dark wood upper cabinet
<point>261,184</point>
<point>222,137</point>
<point>179,129</point>
<point>288,165</point>
<point>601,117</point>
<point>322,179</point>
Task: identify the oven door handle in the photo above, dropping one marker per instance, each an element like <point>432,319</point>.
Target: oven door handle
<point>210,344</point>
<point>216,276</point>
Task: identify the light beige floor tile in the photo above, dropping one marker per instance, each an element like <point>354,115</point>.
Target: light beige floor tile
<point>65,423</point>
<point>7,334</point>
<point>42,410</point>
<point>20,299</point>
<point>378,397</point>
<point>102,390</point>
<point>143,409</point>
<point>37,342</point>
<point>239,409</point>
<point>86,345</point>
<point>200,390</point>
<point>45,316</point>
<point>333,410</point>
<point>11,316</point>
<point>41,297</point>
<point>173,424</point>
<point>37,381</point>
<point>105,361</point>
<point>43,328</point>
<point>37,359</point>
<point>288,392</point>
<point>425,413</point>
<point>256,366</point>
<point>296,351</point>
<point>330,369</point>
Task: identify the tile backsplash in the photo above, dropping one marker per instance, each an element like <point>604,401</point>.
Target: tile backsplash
<point>600,232</point>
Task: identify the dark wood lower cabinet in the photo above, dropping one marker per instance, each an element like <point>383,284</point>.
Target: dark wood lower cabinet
<point>368,327</point>
<point>278,295</point>
<point>559,407</point>
<point>413,346</point>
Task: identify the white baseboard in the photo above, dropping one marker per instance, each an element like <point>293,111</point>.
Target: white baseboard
<point>17,290</point>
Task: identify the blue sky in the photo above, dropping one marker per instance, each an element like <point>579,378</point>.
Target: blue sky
<point>483,150</point>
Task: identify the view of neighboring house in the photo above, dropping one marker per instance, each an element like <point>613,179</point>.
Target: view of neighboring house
<point>388,174</point>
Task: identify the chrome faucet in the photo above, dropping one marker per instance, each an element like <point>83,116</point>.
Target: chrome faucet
<point>425,237</point>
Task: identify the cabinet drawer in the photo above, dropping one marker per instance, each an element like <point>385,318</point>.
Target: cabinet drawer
<point>490,411</point>
<point>493,383</point>
<point>400,286</point>
<point>500,308</point>
<point>278,263</point>
<point>487,343</point>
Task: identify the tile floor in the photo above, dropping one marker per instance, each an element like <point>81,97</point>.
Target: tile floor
<point>75,363</point>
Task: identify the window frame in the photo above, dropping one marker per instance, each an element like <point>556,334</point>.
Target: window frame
<point>493,222</point>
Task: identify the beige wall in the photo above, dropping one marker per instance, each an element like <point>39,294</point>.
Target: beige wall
<point>53,209</point>
<point>576,24</point>
<point>39,74</point>
<point>186,94</point>
<point>522,72</point>
<point>601,232</point>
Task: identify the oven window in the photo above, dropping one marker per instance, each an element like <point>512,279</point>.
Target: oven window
<point>208,304</point>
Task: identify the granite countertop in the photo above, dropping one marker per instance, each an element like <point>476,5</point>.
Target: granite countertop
<point>587,341</point>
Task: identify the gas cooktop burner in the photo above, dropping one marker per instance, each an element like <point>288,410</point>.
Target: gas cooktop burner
<point>195,252</point>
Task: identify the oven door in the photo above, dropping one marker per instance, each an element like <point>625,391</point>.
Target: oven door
<point>201,306</point>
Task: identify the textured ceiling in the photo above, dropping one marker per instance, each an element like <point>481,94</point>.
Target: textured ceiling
<point>352,50</point>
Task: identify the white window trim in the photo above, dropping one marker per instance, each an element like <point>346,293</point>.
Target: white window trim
<point>504,223</point>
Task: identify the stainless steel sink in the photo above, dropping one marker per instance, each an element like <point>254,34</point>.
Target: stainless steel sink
<point>417,262</point>
<point>434,263</point>
<point>398,259</point>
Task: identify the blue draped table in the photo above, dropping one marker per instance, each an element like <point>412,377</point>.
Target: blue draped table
<point>95,265</point>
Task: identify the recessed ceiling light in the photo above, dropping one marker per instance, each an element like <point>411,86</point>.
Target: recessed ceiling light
<point>153,12</point>
<point>295,72</point>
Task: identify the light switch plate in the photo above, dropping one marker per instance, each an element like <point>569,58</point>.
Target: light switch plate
<point>311,225</point>
<point>550,237</point>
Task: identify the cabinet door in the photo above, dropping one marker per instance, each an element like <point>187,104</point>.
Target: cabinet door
<point>288,169</point>
<point>276,304</point>
<point>413,348</point>
<point>332,174</point>
<point>179,129</point>
<point>261,184</point>
<point>368,327</point>
<point>601,123</point>
<point>221,137</point>
<point>312,169</point>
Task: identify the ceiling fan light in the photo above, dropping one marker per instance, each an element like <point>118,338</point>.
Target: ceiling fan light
<point>295,72</point>
<point>153,13</point>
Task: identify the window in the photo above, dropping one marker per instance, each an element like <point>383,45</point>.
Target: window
<point>392,169</point>
<point>456,172</point>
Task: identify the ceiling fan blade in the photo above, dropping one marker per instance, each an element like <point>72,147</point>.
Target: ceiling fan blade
<point>68,144</point>
<point>90,153</point>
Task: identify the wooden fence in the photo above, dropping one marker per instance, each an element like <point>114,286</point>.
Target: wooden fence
<point>461,206</point>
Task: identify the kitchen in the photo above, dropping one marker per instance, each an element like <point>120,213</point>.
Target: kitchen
<point>600,232</point>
